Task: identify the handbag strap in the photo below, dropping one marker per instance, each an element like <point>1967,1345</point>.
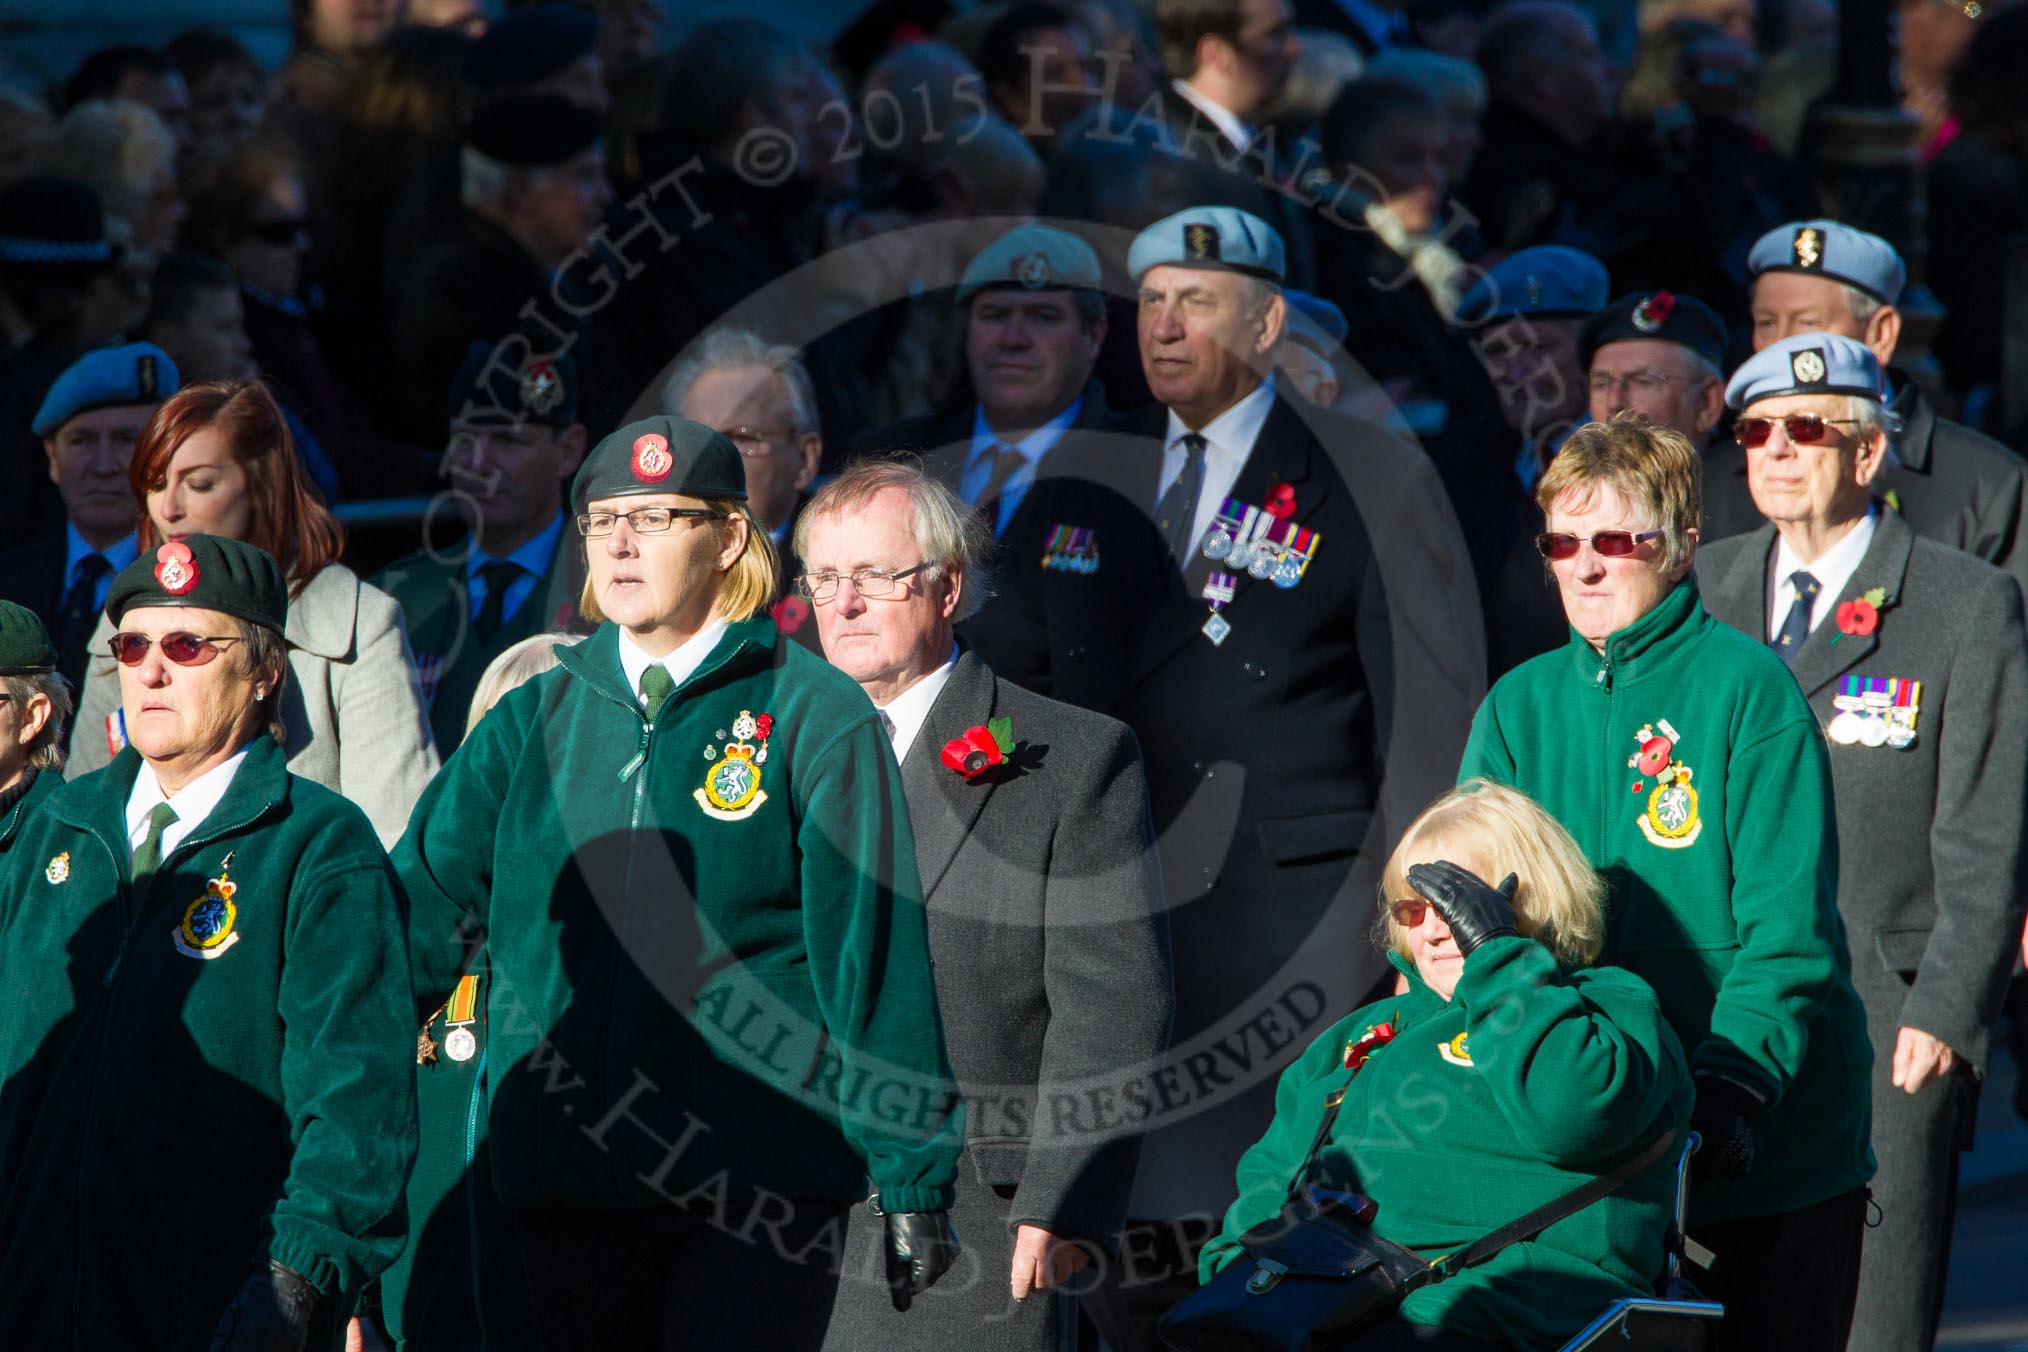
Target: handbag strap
<point>1335,1101</point>
<point>1550,1212</point>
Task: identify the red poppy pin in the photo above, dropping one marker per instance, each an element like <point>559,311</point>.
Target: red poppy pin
<point>1862,616</point>
<point>652,461</point>
<point>1281,501</point>
<point>790,613</point>
<point>981,748</point>
<point>1375,1037</point>
<point>175,569</point>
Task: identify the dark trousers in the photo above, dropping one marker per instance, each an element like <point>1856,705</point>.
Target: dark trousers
<point>1156,1267</point>
<point>665,1280</point>
<point>1787,1281</point>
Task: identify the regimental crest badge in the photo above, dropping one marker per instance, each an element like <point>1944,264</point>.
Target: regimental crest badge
<point>1032,271</point>
<point>206,930</point>
<point>732,789</point>
<point>541,388</point>
<point>59,868</point>
<point>652,461</point>
<point>175,568</point>
<point>1808,248</point>
<point>1454,1051</point>
<point>1200,242</point>
<point>1807,366</point>
<point>1670,818</point>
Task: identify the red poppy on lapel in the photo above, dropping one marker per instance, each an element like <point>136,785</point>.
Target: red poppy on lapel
<point>980,748</point>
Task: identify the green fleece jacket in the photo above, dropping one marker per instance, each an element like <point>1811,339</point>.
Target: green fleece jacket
<point>169,1119</point>
<point>710,969</point>
<point>1691,772</point>
<point>1526,1084</point>
<point>26,804</point>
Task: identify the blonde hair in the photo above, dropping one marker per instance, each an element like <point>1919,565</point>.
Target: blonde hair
<point>1655,469</point>
<point>116,147</point>
<point>517,664</point>
<point>745,589</point>
<point>1561,899</point>
<point>950,535</point>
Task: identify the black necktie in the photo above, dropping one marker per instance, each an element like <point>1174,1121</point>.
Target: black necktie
<point>1005,461</point>
<point>1176,513</point>
<point>1796,627</point>
<point>77,614</point>
<point>498,576</point>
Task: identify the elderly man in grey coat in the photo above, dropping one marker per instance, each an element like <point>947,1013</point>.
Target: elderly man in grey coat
<point>1034,840</point>
<point>1913,655</point>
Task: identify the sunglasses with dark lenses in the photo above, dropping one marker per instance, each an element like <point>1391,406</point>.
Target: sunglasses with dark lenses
<point>1804,429</point>
<point>1607,544</point>
<point>185,650</point>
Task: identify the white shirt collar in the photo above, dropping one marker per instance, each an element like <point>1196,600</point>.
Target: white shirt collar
<point>1229,439</point>
<point>193,803</point>
<point>1228,123</point>
<point>905,712</point>
<point>1832,569</point>
<point>979,464</point>
<point>681,663</point>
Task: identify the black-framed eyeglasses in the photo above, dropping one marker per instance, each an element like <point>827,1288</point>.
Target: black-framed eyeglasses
<point>1607,544</point>
<point>870,582</point>
<point>182,648</point>
<point>643,520</point>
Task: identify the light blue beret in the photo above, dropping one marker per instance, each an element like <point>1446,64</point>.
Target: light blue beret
<point>1824,248</point>
<point>1035,258</point>
<point>1549,281</point>
<point>1806,363</point>
<point>1317,321</point>
<point>1210,237</point>
<point>138,373</point>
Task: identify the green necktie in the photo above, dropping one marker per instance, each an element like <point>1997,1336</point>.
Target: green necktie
<point>148,857</point>
<point>656,687</point>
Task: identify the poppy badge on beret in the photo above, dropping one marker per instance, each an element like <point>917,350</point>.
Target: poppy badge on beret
<point>175,569</point>
<point>652,461</point>
<point>541,388</point>
<point>1653,313</point>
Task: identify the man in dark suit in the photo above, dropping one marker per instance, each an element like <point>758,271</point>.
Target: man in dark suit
<point>1276,600</point>
<point>515,440</point>
<point>89,423</point>
<point>1047,931</point>
<point>1914,657</point>
<point>1949,483</point>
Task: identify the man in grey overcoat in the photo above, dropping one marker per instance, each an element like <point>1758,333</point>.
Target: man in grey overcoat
<point>1035,843</point>
<point>1914,658</point>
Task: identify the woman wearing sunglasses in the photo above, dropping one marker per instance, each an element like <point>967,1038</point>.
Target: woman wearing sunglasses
<point>1684,760</point>
<point>688,851</point>
<point>217,459</point>
<point>1503,1077</point>
<point>209,1015</point>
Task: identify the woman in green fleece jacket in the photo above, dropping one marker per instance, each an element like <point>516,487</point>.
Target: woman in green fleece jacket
<point>709,1013</point>
<point>1681,755</point>
<point>1500,1079</point>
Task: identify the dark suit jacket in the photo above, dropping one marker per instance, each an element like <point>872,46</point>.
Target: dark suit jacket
<point>1953,485</point>
<point>31,575</point>
<point>1930,839</point>
<point>1050,943</point>
<point>1331,714</point>
<point>437,611</point>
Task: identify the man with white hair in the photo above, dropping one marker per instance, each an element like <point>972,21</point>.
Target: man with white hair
<point>533,186</point>
<point>1913,656</point>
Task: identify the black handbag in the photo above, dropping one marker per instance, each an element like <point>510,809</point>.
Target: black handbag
<point>1315,1275</point>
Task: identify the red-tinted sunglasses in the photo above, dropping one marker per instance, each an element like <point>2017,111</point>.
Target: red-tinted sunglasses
<point>1408,914</point>
<point>1804,429</point>
<point>185,650</point>
<point>1608,544</point>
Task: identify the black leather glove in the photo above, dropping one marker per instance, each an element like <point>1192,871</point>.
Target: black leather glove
<point>1724,1116</point>
<point>272,1313</point>
<point>921,1246</point>
<point>1474,911</point>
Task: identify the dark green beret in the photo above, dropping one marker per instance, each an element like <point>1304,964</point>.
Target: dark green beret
<point>25,649</point>
<point>660,455</point>
<point>207,572</point>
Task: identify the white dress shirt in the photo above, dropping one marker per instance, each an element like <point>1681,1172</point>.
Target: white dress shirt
<point>681,663</point>
<point>979,465</point>
<point>1229,439</point>
<point>904,714</point>
<point>193,802</point>
<point>1236,132</point>
<point>1832,569</point>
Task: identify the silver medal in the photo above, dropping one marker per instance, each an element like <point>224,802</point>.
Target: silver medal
<point>460,1045</point>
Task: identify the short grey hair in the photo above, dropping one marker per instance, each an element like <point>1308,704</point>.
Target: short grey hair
<point>1863,304</point>
<point>266,653</point>
<point>45,752</point>
<point>1874,416</point>
<point>950,535</point>
<point>725,348</point>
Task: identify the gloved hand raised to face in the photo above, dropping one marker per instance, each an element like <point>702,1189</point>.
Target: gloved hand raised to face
<point>921,1246</point>
<point>1474,911</point>
<point>272,1313</point>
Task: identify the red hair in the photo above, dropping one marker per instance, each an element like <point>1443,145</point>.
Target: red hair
<point>289,520</point>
